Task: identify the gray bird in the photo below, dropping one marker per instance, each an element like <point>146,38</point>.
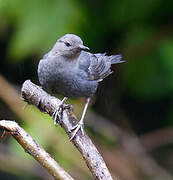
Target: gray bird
<point>69,70</point>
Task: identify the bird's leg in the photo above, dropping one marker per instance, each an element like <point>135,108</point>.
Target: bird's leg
<point>57,115</point>
<point>80,124</point>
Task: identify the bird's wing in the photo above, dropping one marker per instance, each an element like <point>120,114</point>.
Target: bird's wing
<point>100,64</point>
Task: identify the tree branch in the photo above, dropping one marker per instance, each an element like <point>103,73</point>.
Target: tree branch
<point>35,150</point>
<point>33,94</point>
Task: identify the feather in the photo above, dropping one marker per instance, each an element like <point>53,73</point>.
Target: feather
<point>100,65</point>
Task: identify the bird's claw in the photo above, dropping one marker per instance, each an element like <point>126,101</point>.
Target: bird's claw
<point>76,128</point>
<point>68,106</point>
<point>57,115</point>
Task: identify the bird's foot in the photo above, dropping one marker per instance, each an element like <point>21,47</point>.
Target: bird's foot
<point>76,128</point>
<point>68,106</point>
<point>58,113</point>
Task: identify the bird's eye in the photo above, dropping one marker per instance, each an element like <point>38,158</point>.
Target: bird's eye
<point>67,44</point>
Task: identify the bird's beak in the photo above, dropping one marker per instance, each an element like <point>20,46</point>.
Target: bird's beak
<point>84,47</point>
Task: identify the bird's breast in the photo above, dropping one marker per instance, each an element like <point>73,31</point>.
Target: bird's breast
<point>65,79</point>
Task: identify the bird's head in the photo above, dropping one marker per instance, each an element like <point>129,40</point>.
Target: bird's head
<point>69,46</point>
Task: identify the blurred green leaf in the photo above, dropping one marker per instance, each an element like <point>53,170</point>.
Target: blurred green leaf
<point>152,75</point>
<point>124,12</point>
<point>39,23</point>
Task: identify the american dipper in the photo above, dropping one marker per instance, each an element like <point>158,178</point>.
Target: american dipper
<point>72,72</point>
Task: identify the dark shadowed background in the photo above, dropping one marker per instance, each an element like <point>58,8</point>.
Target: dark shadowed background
<point>131,116</point>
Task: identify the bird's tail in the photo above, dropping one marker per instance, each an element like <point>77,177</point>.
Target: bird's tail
<point>115,59</point>
<point>100,67</point>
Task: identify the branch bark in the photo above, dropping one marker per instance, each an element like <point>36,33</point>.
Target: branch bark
<point>35,150</point>
<point>33,94</point>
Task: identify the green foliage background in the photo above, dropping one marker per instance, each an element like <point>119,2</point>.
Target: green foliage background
<point>142,31</point>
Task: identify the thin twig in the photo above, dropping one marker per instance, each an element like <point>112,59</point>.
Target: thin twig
<point>35,150</point>
<point>33,94</point>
